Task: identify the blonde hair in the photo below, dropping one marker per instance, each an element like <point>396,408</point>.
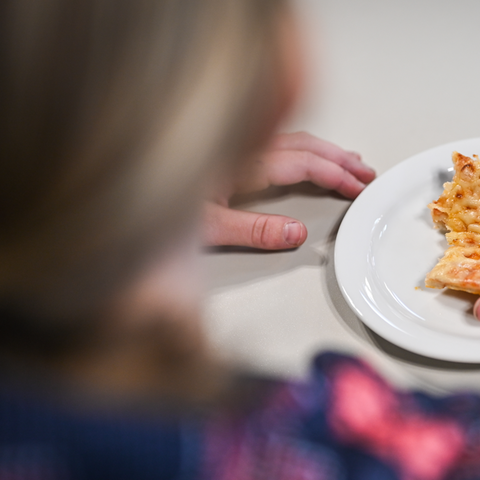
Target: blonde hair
<point>113,111</point>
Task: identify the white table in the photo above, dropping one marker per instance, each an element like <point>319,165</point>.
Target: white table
<point>387,78</point>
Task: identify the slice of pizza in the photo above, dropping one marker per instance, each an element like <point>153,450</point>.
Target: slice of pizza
<point>458,212</point>
<point>459,269</point>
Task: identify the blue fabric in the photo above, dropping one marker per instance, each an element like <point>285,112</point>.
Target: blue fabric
<point>344,423</point>
<point>38,442</point>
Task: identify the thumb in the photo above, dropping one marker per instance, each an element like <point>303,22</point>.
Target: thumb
<point>224,226</point>
<point>476,309</point>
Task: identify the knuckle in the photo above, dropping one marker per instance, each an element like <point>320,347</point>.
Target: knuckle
<point>301,137</point>
<point>339,156</point>
<point>264,232</point>
<point>341,185</point>
<point>310,163</point>
<point>294,140</point>
<point>302,134</point>
<point>259,231</point>
<point>337,179</point>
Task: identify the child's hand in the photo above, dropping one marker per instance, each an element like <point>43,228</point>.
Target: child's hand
<point>290,159</point>
<point>476,309</point>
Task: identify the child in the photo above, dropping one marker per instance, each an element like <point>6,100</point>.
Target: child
<point>118,118</point>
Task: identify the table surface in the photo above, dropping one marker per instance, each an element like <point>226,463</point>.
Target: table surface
<point>388,79</point>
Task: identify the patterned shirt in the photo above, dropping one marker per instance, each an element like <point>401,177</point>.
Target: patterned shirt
<point>344,423</point>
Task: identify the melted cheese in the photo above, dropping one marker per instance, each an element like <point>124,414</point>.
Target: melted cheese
<point>459,205</point>
<point>458,211</point>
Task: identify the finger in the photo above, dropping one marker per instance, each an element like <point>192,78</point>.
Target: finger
<point>476,309</point>
<point>224,226</point>
<point>350,161</point>
<point>293,167</point>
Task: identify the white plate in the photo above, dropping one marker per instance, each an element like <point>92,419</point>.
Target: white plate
<point>385,247</point>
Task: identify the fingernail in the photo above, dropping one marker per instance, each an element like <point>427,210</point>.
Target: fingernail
<point>361,186</point>
<point>292,233</point>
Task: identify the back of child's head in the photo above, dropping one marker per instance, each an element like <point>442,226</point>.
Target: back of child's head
<point>113,114</point>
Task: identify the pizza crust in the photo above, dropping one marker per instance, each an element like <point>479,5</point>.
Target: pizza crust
<point>459,269</point>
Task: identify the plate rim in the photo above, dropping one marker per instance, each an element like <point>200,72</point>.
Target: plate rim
<point>463,350</point>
